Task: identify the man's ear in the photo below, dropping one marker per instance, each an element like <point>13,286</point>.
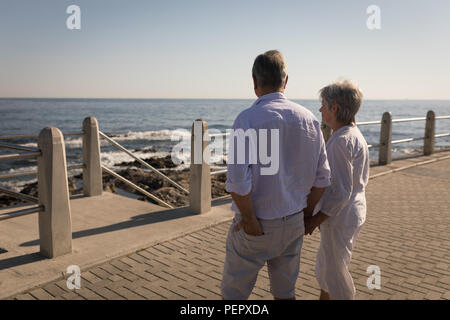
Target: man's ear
<point>286,81</point>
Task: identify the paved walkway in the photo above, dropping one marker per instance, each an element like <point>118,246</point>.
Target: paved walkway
<point>407,234</point>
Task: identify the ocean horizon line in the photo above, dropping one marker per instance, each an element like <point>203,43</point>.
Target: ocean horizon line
<point>177,99</point>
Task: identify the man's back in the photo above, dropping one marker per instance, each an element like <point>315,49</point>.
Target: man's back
<point>271,180</point>
<point>279,188</point>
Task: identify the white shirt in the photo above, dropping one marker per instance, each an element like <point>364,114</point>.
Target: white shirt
<point>345,200</point>
<point>302,158</point>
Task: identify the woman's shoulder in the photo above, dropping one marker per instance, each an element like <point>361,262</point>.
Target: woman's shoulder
<point>350,139</point>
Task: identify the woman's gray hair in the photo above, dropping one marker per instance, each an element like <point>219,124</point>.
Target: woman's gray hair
<point>269,69</point>
<point>348,97</point>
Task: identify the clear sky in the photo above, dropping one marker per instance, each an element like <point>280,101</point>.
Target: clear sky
<point>206,48</point>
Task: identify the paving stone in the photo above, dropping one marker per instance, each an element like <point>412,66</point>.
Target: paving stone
<point>89,294</point>
<point>72,296</point>
<point>107,293</point>
<point>25,296</point>
<point>41,294</point>
<point>127,293</point>
<point>54,290</point>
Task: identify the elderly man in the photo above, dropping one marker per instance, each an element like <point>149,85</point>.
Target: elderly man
<point>270,205</point>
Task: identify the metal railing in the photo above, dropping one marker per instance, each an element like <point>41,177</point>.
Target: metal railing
<point>30,153</point>
<point>19,213</point>
<point>386,142</point>
<point>137,188</point>
<point>19,195</point>
<point>92,171</point>
<point>53,196</point>
<point>200,173</point>
<point>36,136</point>
<point>142,162</point>
<point>55,184</point>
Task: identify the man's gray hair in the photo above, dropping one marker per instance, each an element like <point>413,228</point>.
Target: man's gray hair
<point>269,69</point>
<point>348,97</point>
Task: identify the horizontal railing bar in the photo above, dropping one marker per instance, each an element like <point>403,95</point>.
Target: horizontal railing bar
<point>72,133</point>
<point>145,164</point>
<point>19,213</point>
<point>362,123</point>
<point>218,172</point>
<point>137,188</point>
<point>219,135</point>
<point>367,123</point>
<point>409,120</point>
<point>17,175</point>
<point>18,137</point>
<point>18,195</point>
<point>374,146</point>
<point>15,156</point>
<point>35,136</point>
<point>407,140</point>
<point>442,135</point>
<point>34,173</point>
<point>17,147</point>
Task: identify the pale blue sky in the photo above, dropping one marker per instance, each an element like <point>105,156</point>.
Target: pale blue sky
<point>205,48</point>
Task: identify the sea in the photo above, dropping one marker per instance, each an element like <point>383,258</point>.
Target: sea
<point>153,127</point>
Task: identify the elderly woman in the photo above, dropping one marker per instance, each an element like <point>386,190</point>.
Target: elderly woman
<point>343,204</point>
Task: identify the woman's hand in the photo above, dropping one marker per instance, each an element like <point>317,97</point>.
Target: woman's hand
<point>310,225</point>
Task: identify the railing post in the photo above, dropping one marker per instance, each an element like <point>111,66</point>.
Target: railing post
<point>428,145</point>
<point>55,224</point>
<point>200,172</point>
<point>326,131</point>
<point>92,171</point>
<point>385,150</point>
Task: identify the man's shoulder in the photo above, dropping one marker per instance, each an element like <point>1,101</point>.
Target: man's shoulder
<point>284,110</point>
<point>243,117</point>
<point>291,108</point>
<point>301,110</point>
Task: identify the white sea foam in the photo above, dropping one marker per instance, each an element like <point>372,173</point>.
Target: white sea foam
<point>406,150</point>
<point>19,170</point>
<point>128,136</point>
<point>109,159</point>
<point>30,144</point>
<point>71,143</point>
<point>150,135</point>
<point>17,185</point>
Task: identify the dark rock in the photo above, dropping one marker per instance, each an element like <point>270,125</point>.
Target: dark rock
<point>147,180</point>
<point>158,163</point>
<point>146,149</point>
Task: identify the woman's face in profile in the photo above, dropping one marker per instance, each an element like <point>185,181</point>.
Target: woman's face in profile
<point>327,114</point>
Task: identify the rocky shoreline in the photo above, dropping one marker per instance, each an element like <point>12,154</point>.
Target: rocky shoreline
<point>145,179</point>
<point>150,181</point>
